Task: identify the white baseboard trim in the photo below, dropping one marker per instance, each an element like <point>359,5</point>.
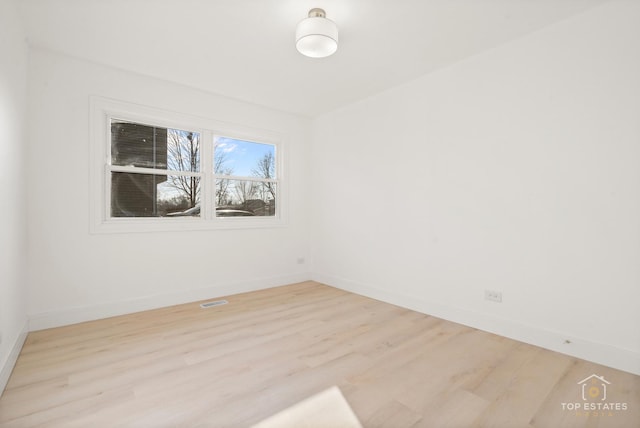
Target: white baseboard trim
<point>10,362</point>
<point>611,356</point>
<point>67,316</point>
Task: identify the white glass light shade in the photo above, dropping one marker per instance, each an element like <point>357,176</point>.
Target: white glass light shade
<point>317,36</point>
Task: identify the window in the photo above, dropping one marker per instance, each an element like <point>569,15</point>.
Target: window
<point>245,173</point>
<point>158,170</point>
<point>154,171</point>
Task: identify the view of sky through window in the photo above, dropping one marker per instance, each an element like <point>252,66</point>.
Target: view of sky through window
<point>240,158</point>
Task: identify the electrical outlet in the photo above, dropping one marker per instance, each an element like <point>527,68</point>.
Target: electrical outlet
<point>492,295</point>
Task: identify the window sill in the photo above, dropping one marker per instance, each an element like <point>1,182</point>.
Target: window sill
<point>145,225</point>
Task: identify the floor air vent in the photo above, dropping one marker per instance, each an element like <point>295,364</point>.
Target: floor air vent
<point>212,304</point>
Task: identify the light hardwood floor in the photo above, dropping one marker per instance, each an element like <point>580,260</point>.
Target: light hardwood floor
<point>234,365</point>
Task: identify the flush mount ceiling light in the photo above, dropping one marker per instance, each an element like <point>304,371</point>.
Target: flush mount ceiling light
<point>317,36</point>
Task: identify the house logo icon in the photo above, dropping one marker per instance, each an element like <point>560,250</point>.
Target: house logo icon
<point>595,399</point>
<point>594,387</point>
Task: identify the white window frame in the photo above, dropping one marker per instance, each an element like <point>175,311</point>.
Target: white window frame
<point>103,110</point>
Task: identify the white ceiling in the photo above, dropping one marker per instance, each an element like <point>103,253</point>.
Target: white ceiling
<point>245,48</point>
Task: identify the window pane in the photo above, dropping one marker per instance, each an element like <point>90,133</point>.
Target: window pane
<point>244,158</point>
<point>245,198</point>
<point>149,195</point>
<point>183,150</point>
<point>135,144</point>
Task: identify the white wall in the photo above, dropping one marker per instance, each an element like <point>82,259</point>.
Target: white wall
<point>76,275</point>
<point>517,170</point>
<point>13,229</point>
